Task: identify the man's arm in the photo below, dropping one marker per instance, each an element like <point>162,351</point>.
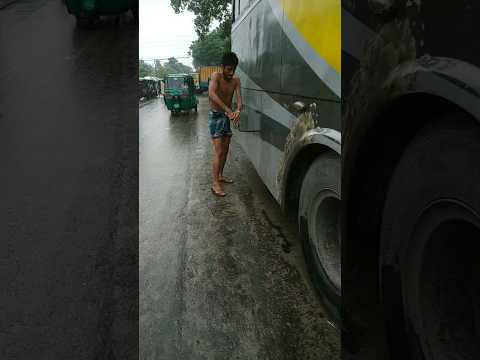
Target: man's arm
<point>212,93</point>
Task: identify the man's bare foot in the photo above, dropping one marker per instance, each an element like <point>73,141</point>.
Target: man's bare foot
<point>217,190</point>
<point>226,180</point>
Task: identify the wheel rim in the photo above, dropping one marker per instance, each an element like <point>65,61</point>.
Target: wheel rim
<point>324,232</point>
<point>441,288</point>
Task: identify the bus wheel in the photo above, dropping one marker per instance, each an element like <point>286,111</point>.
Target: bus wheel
<point>430,241</point>
<point>318,219</point>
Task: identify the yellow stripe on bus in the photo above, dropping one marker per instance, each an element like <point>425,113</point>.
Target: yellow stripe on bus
<point>319,23</point>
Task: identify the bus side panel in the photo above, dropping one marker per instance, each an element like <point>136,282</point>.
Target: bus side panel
<point>457,21</point>
<point>257,42</point>
<point>250,117</point>
<point>299,81</point>
<point>264,157</point>
<point>302,19</point>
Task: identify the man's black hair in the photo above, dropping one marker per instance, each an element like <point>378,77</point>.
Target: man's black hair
<point>230,59</point>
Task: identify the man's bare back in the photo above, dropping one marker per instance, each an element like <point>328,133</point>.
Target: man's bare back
<point>224,89</point>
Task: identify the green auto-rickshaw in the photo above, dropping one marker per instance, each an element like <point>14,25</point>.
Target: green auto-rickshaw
<point>86,11</point>
<point>180,93</point>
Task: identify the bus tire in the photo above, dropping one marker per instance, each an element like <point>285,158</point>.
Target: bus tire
<point>318,219</point>
<point>429,244</point>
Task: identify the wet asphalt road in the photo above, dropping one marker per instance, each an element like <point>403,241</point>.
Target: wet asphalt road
<point>68,209</point>
<point>220,278</point>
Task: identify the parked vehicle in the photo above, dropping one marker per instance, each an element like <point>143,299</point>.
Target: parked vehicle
<point>411,176</point>
<point>291,122</point>
<point>205,73</point>
<point>180,93</point>
<point>149,87</point>
<point>395,261</point>
<point>196,81</point>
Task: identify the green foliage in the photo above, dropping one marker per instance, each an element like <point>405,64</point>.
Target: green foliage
<point>158,69</point>
<point>210,46</point>
<point>172,66</point>
<point>175,67</point>
<point>209,49</point>
<point>145,69</point>
<point>206,11</point>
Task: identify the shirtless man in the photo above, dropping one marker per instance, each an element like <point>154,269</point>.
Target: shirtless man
<point>220,92</point>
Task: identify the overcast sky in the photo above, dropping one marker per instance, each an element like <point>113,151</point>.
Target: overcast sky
<point>162,33</point>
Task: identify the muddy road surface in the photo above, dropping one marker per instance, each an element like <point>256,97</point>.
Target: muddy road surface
<point>220,278</point>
